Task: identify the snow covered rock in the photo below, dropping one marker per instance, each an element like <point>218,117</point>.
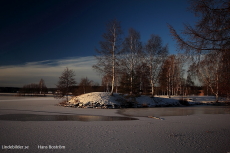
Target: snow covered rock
<point>104,100</point>
<point>98,99</point>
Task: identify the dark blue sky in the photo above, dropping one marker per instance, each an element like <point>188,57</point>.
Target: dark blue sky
<point>40,38</point>
<point>37,30</point>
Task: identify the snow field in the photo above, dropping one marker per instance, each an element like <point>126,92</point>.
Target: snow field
<point>193,133</point>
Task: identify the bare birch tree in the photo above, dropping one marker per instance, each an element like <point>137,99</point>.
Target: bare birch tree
<point>131,56</point>
<point>107,60</point>
<point>42,87</point>
<point>171,75</point>
<point>155,55</point>
<point>143,73</point>
<point>86,84</point>
<point>208,70</point>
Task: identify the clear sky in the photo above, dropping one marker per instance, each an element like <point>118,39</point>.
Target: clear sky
<point>39,38</point>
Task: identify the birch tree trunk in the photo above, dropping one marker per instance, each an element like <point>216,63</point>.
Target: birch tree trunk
<point>110,48</point>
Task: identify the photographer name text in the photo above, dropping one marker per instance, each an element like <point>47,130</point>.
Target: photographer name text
<point>51,147</point>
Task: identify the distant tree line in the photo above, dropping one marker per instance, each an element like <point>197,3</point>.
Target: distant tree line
<point>9,89</point>
<point>34,89</point>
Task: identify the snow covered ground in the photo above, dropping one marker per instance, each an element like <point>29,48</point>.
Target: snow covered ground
<point>200,99</point>
<point>101,98</point>
<point>104,100</point>
<point>193,133</point>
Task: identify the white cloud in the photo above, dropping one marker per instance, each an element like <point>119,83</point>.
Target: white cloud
<point>49,70</point>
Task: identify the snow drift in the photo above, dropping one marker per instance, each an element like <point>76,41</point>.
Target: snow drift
<point>104,100</point>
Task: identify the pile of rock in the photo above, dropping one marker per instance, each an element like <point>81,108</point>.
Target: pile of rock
<point>90,105</point>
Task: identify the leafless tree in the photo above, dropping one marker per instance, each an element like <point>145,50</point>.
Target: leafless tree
<point>34,89</point>
<point>86,84</point>
<point>171,75</point>
<point>66,81</point>
<point>155,55</point>
<point>107,61</point>
<point>31,89</point>
<point>131,55</point>
<point>208,71</point>
<point>210,34</point>
<point>106,82</point>
<point>42,87</point>
<point>143,73</point>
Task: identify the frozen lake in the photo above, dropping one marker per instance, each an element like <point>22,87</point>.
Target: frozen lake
<point>176,111</point>
<point>36,122</point>
<point>47,106</point>
<point>35,117</point>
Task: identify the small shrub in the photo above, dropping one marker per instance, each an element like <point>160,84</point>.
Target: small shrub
<point>63,103</point>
